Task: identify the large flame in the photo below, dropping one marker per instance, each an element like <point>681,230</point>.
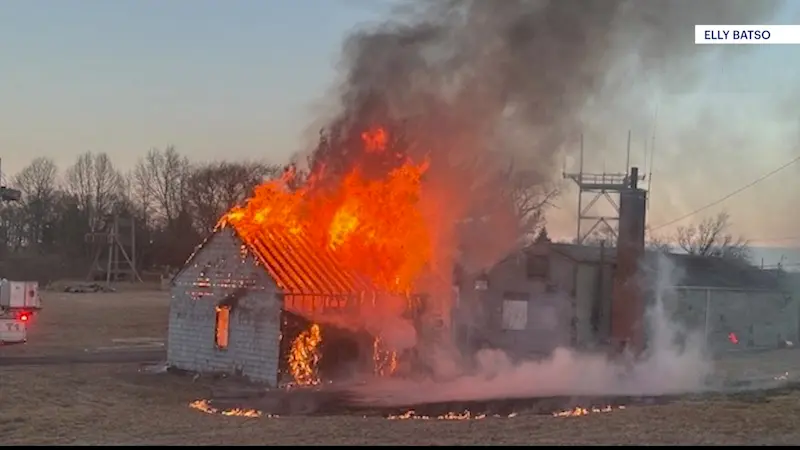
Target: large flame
<point>374,225</point>
<point>384,360</point>
<point>371,209</point>
<point>304,356</point>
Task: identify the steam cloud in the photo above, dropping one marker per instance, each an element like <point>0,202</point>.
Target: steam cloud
<point>675,363</point>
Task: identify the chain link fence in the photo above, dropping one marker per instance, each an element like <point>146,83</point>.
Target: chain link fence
<point>738,319</point>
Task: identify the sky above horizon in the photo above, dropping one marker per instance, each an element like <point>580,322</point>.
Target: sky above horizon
<point>249,79</point>
<point>215,79</point>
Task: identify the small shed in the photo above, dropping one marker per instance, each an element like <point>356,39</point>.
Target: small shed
<point>228,305</point>
<point>734,305</point>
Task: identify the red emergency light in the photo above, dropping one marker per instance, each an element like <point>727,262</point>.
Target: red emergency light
<point>24,316</point>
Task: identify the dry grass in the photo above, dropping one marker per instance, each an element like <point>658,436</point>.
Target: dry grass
<point>117,404</point>
<point>99,404</point>
<point>74,322</point>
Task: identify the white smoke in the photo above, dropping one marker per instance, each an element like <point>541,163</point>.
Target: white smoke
<point>675,362</point>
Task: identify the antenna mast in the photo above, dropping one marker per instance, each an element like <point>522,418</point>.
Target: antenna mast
<point>652,158</point>
<point>602,185</point>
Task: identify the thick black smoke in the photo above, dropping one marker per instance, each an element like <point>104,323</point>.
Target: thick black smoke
<point>515,75</point>
<point>477,84</point>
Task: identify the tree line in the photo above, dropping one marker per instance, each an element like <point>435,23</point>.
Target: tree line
<point>174,203</point>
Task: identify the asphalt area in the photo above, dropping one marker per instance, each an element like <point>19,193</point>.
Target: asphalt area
<point>89,375</point>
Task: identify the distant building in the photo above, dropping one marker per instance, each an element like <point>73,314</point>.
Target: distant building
<point>554,294</point>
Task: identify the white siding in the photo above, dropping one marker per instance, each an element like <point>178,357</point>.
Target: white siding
<point>254,340</point>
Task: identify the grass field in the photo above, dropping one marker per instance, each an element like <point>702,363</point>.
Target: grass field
<point>120,404</point>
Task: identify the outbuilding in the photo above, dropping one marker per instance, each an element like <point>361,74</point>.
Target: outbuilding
<point>229,304</point>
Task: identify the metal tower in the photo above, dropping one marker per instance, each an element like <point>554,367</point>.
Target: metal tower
<point>115,255</point>
<point>606,186</point>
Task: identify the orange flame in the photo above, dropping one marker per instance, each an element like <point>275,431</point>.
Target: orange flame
<point>579,411</point>
<point>385,360</point>
<point>202,405</point>
<point>375,140</point>
<point>466,415</point>
<point>375,227</point>
<point>304,356</point>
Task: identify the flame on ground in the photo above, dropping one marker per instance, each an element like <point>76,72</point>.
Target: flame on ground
<point>466,415</point>
<point>579,411</point>
<point>385,361</point>
<point>202,405</point>
<point>304,356</point>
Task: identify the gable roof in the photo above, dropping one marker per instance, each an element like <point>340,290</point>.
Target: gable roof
<point>300,268</point>
<point>296,266</point>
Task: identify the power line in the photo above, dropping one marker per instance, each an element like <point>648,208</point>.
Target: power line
<point>718,201</point>
<point>776,239</point>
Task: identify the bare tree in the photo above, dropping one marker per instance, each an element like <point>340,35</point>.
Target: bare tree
<point>127,195</point>
<point>12,226</point>
<point>657,243</point>
<point>216,187</point>
<point>531,197</point>
<point>607,235</point>
<point>97,186</point>
<point>160,183</point>
<point>37,183</point>
<point>522,194</point>
<point>711,237</point>
<point>504,202</point>
<point>604,233</point>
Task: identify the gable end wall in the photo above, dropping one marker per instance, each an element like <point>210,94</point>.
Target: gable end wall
<point>254,337</point>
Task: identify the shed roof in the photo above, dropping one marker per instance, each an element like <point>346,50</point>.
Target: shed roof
<point>301,268</point>
<point>296,266</point>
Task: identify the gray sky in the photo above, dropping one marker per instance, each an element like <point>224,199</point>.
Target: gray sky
<point>250,79</point>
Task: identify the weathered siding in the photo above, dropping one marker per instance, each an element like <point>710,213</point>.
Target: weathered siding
<point>548,310</point>
<point>585,293</point>
<point>254,336</point>
<point>589,295</point>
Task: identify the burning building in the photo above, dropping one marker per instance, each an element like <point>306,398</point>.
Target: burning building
<point>235,298</point>
<point>311,257</point>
